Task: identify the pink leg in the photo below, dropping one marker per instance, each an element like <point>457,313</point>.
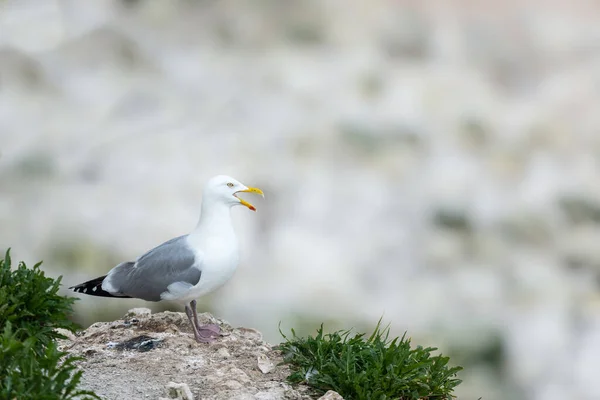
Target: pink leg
<point>203,333</point>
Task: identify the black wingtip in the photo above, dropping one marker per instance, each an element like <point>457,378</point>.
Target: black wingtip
<point>92,287</point>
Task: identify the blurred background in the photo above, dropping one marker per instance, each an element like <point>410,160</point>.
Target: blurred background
<point>432,162</point>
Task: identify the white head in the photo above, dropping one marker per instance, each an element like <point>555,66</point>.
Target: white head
<point>224,189</point>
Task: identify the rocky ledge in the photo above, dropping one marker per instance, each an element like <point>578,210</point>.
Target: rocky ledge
<point>155,356</point>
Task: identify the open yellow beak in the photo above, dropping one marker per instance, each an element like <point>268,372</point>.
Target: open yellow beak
<point>250,190</point>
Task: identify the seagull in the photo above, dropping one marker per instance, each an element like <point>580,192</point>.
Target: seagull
<point>186,267</point>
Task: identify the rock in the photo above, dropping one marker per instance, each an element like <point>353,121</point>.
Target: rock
<point>223,353</point>
<point>269,395</point>
<point>264,364</point>
<point>223,370</point>
<point>138,312</point>
<point>179,391</point>
<point>250,333</point>
<point>68,334</point>
<point>331,395</point>
<point>231,384</point>
<point>238,374</point>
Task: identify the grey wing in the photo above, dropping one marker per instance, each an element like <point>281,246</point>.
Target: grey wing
<point>161,273</point>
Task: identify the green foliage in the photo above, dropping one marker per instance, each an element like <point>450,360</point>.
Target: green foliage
<point>31,303</point>
<point>31,366</point>
<point>374,368</point>
<point>25,375</point>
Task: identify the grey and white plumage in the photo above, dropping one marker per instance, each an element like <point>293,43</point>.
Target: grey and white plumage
<point>162,273</point>
<point>186,267</point>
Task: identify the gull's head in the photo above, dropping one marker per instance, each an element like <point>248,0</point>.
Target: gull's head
<point>225,189</point>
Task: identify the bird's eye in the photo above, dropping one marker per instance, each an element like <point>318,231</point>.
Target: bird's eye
<point>230,184</point>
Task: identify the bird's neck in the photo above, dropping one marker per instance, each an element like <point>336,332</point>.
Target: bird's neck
<point>215,219</point>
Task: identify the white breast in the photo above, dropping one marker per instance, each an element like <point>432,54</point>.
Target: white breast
<point>220,258</point>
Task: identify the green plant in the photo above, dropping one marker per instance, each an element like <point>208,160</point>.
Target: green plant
<point>31,366</point>
<point>27,375</point>
<point>373,368</point>
<point>30,302</point>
